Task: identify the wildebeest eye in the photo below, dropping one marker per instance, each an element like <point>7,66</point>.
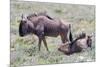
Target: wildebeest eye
<point>23,21</point>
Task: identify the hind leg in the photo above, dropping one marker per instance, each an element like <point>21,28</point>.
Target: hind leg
<point>66,37</point>
<point>63,38</point>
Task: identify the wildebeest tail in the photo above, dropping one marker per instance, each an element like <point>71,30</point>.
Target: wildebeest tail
<point>70,34</point>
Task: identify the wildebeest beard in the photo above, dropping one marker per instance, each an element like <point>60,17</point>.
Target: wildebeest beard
<point>22,30</point>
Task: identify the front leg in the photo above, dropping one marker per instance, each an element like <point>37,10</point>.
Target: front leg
<point>40,33</point>
<point>45,43</point>
<point>39,43</point>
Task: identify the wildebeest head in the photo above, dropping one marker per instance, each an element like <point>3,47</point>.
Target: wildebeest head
<point>89,41</point>
<point>25,27</point>
<point>85,41</point>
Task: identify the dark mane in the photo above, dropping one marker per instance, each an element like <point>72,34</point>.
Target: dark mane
<point>39,14</point>
<point>45,14</point>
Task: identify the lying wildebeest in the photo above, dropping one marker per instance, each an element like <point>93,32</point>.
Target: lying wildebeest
<point>83,41</point>
<point>43,26</point>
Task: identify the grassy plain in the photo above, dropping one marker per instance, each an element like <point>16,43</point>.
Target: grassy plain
<point>24,50</point>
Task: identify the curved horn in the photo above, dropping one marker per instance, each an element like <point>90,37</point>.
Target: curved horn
<point>22,16</point>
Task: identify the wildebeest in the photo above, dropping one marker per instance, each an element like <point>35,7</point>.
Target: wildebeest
<point>83,41</point>
<point>43,26</point>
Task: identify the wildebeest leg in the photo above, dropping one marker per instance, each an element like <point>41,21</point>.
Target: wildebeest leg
<point>66,37</point>
<point>40,33</point>
<point>45,43</point>
<point>39,43</point>
<point>62,38</point>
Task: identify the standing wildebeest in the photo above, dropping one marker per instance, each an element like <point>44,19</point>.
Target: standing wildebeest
<point>43,26</point>
<point>83,41</point>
